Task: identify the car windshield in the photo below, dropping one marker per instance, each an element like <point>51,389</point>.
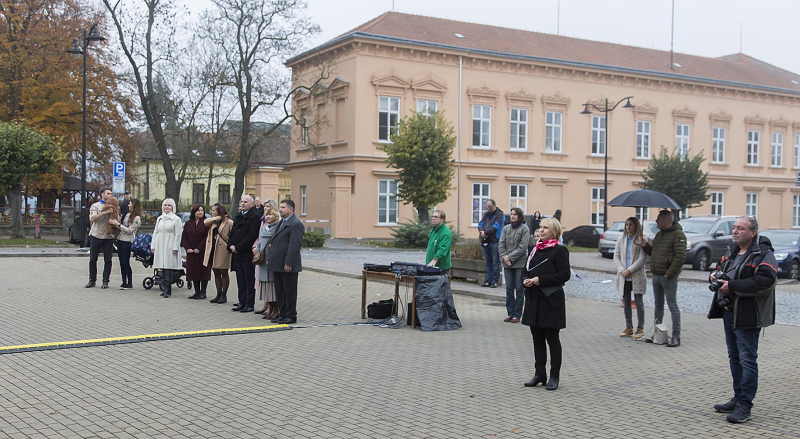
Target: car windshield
<point>618,226</point>
<point>782,239</point>
<point>700,227</point>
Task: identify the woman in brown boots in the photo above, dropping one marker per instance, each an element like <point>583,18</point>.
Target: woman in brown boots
<point>266,289</point>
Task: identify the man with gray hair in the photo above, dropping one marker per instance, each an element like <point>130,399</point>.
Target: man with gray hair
<point>240,243</point>
<point>744,298</point>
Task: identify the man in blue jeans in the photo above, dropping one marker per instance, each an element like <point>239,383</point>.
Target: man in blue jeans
<point>490,228</point>
<point>745,301</point>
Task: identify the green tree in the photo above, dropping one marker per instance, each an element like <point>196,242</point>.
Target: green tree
<point>24,154</point>
<point>680,178</point>
<point>422,153</point>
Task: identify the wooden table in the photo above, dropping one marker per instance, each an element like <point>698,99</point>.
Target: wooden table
<point>382,275</point>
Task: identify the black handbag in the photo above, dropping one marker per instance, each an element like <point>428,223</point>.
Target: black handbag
<point>382,309</point>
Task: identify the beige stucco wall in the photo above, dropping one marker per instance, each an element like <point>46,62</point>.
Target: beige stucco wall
<point>554,180</point>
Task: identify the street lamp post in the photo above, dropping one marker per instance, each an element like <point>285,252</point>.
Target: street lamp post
<point>80,49</point>
<point>605,111</point>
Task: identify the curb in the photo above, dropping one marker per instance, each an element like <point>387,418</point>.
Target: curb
<point>44,255</point>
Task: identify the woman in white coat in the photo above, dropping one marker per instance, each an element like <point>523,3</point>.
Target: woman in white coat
<point>630,259</point>
<point>166,243</point>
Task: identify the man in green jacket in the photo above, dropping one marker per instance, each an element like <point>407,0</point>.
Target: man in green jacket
<point>667,253</point>
<point>439,239</point>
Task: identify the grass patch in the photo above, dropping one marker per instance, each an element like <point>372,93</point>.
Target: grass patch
<point>574,249</point>
<point>22,242</point>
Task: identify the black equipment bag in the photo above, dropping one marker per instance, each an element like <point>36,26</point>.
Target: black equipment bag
<point>377,268</point>
<point>382,309</point>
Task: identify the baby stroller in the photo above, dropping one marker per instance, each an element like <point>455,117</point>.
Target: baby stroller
<point>141,252</point>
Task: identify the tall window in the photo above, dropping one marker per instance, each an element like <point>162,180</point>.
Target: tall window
<point>643,139</point>
<point>796,211</point>
<point>339,121</point>
<point>682,140</point>
<point>797,150</point>
<point>643,213</point>
<point>717,202</point>
<point>598,208</point>
<point>387,201</point>
<point>426,106</point>
<point>480,195</point>
<point>777,150</point>
<point>552,128</point>
<point>519,128</point>
<point>388,117</point>
<point>718,145</point>
<point>683,213</point>
<point>753,139</point>
<point>303,201</point>
<point>598,135</point>
<point>198,192</point>
<point>751,205</point>
<point>519,196</point>
<point>481,125</point>
<point>304,128</point>
<point>224,194</point>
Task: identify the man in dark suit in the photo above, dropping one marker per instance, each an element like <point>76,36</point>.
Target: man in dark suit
<point>284,261</point>
<point>240,243</point>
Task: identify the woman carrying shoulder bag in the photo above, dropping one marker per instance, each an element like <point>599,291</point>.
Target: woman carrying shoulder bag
<point>630,259</point>
<point>266,286</point>
<point>513,249</point>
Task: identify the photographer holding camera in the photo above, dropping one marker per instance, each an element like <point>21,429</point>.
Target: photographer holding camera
<point>744,298</point>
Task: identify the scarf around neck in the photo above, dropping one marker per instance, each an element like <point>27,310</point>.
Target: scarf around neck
<point>540,245</point>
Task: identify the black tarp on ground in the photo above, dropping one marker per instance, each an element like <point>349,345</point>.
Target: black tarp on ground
<point>434,304</point>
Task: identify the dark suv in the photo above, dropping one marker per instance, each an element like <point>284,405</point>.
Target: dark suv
<point>707,239</point>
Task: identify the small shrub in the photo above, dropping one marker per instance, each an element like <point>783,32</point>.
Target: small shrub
<point>414,234</point>
<point>313,239</point>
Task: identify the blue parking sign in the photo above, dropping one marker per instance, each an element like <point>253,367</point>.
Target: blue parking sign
<point>119,169</point>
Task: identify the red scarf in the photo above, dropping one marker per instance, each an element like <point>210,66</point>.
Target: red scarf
<point>541,245</point>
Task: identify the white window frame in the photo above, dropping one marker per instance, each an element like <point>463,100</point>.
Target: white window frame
<point>484,126</point>
<point>796,210</point>
<point>385,107</point>
<point>303,200</point>
<point>553,127</point>
<point>596,207</point>
<point>643,213</point>
<point>599,135</point>
<point>519,129</point>
<point>392,204</point>
<point>753,141</point>
<point>479,200</point>
<point>517,200</point>
<point>644,129</point>
<point>683,133</point>
<point>751,204</point>
<point>776,160</point>
<point>797,150</point>
<point>718,144</point>
<point>427,106</point>
<point>717,203</point>
<point>683,213</point>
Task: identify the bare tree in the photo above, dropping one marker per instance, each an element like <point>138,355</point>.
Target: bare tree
<point>253,38</point>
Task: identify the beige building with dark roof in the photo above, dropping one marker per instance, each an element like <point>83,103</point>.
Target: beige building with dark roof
<point>515,98</point>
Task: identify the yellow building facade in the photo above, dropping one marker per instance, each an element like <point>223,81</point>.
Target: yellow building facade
<point>516,101</point>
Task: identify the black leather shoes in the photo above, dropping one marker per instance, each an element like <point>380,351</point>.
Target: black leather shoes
<point>236,308</point>
<point>276,319</point>
<point>246,309</point>
<point>535,380</point>
<point>674,342</point>
<point>286,321</point>
<point>552,384</point>
<point>91,284</point>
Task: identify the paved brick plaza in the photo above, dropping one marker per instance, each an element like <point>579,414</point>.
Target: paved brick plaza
<point>356,381</point>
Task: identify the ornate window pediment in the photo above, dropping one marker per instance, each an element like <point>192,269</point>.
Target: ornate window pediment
<point>391,81</point>
<point>755,119</point>
<point>302,97</point>
<point>645,110</point>
<point>483,94</point>
<point>684,115</point>
<point>556,102</point>
<point>339,87</point>
<point>429,86</point>
<point>721,116</point>
<point>520,97</point>
<point>779,122</point>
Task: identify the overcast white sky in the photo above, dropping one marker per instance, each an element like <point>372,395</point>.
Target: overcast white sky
<point>702,27</point>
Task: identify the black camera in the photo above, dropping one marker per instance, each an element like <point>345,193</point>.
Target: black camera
<point>720,277</point>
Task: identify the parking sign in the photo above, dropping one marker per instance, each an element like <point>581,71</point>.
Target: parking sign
<point>119,170</point>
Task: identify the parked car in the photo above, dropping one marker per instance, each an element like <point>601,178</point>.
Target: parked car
<point>707,239</point>
<point>786,243</point>
<point>583,236</point>
<point>608,240</point>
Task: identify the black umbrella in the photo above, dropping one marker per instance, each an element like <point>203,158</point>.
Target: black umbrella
<point>644,198</point>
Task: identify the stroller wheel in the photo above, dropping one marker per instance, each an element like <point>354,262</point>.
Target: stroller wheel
<point>179,283</point>
<point>189,285</point>
<point>147,283</point>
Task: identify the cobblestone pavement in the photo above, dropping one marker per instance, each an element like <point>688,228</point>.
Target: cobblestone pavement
<point>357,381</point>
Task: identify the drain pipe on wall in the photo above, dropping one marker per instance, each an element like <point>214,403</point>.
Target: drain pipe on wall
<point>458,181</point>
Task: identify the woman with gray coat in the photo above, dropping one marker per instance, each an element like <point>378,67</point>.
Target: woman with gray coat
<point>630,259</point>
<point>513,248</point>
<point>266,287</point>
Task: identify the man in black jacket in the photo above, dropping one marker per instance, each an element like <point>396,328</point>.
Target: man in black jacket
<point>745,303</point>
<point>240,243</point>
<point>490,228</point>
<point>284,260</point>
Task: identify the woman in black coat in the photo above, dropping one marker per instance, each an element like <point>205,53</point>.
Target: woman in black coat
<point>546,271</point>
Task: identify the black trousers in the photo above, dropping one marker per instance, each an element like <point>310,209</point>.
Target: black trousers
<point>542,337</point>
<point>95,246</point>
<point>246,280</point>
<point>286,291</point>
